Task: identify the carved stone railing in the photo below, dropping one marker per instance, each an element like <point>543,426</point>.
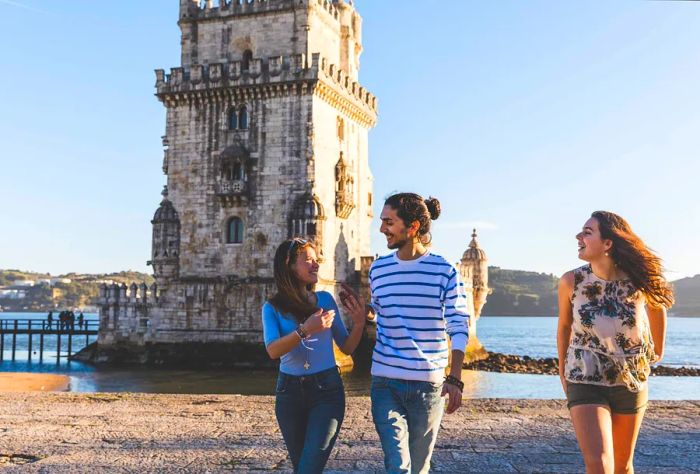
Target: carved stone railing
<point>232,191</point>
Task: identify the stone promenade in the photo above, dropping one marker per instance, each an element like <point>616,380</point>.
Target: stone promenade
<point>105,433</point>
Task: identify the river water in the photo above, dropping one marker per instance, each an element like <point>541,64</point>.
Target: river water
<point>531,336</point>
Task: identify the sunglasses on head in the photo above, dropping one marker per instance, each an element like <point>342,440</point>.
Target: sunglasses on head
<point>295,242</point>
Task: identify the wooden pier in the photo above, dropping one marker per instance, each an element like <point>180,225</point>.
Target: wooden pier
<point>41,329</point>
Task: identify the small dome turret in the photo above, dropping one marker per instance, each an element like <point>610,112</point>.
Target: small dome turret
<point>166,212</point>
<point>309,207</point>
<point>165,244</point>
<point>475,273</point>
<point>474,253</point>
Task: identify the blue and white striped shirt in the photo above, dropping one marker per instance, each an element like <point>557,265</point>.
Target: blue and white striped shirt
<point>418,304</point>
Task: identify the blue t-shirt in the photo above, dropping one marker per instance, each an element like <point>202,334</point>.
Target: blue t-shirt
<point>320,353</point>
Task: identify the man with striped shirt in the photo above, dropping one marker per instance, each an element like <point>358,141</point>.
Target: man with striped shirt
<point>419,301</point>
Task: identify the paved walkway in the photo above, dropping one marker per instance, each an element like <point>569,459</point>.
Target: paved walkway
<point>105,433</point>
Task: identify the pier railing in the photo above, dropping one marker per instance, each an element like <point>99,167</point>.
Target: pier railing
<point>34,328</point>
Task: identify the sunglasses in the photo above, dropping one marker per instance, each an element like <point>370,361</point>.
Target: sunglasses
<point>295,242</point>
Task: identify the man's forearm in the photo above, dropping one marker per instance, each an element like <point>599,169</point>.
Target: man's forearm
<point>456,366</point>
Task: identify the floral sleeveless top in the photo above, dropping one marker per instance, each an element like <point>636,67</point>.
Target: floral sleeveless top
<point>611,341</point>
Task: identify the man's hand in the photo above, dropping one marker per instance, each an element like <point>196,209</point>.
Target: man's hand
<point>354,308</point>
<point>347,293</point>
<point>455,394</point>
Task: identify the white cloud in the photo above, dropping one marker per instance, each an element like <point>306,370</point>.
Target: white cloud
<point>13,3</point>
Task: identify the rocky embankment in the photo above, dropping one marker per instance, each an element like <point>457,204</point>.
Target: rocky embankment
<point>497,362</point>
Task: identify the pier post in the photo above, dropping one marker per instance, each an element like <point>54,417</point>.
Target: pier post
<point>29,342</point>
<point>58,347</point>
<point>14,340</point>
<point>70,341</point>
<point>2,343</point>
<point>41,347</point>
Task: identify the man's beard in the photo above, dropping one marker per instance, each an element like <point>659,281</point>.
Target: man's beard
<point>397,245</point>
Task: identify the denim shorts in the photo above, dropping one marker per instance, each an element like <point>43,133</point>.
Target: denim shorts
<point>618,398</point>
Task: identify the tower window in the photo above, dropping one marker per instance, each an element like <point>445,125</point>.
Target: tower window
<point>234,234</point>
<point>243,118</point>
<point>232,119</point>
<point>237,172</point>
<point>340,124</point>
<point>247,57</point>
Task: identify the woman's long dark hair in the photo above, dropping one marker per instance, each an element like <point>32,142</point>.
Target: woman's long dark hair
<point>290,299</point>
<point>411,207</point>
<point>632,255</point>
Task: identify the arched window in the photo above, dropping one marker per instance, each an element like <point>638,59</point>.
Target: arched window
<point>243,118</point>
<point>234,234</point>
<point>232,119</point>
<point>247,57</point>
<point>237,173</point>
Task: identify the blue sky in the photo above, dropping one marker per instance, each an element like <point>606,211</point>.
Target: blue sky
<point>521,116</point>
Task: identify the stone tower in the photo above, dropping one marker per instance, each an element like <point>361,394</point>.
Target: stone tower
<point>473,267</point>
<point>266,138</point>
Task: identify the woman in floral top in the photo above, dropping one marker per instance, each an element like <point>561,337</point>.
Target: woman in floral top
<point>612,326</point>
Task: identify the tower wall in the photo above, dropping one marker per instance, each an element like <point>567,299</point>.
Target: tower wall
<point>277,174</point>
<point>277,142</point>
<point>223,32</point>
<point>352,234</point>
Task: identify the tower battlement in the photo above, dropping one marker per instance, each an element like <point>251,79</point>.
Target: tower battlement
<point>208,9</point>
<point>278,70</point>
<point>125,311</point>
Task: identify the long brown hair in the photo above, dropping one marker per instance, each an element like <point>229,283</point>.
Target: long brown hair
<point>290,299</point>
<point>630,254</point>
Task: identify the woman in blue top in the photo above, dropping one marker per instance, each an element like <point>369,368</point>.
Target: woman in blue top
<point>299,327</point>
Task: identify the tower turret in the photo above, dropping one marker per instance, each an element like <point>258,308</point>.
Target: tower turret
<point>165,250</point>
<point>474,270</point>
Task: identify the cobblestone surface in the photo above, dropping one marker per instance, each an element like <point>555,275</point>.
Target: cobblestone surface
<point>105,433</point>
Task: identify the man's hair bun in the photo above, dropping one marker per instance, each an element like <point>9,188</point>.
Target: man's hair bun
<point>433,206</point>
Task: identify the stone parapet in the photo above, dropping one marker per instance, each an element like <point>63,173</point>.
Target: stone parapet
<point>271,76</point>
<point>125,310</point>
<point>194,10</point>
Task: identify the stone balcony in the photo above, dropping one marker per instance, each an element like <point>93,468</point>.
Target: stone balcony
<point>232,192</point>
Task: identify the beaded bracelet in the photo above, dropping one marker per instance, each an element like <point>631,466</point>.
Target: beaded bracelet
<point>300,332</point>
<point>455,381</point>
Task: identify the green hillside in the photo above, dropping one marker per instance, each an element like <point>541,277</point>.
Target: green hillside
<point>80,292</point>
<point>521,293</point>
<point>687,296</point>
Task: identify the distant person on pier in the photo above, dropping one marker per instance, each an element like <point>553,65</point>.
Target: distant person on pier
<point>81,320</point>
<point>612,326</point>
<point>299,327</point>
<point>71,320</point>
<point>420,303</point>
<point>49,319</point>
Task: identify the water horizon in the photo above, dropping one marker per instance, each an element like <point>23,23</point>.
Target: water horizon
<point>518,335</point>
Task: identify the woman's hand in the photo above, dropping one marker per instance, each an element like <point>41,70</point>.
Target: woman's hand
<point>319,321</point>
<point>356,310</point>
<point>563,380</point>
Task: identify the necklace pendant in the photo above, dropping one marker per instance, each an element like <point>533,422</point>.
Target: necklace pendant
<point>306,365</point>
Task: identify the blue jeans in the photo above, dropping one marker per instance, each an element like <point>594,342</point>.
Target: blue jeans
<point>310,411</point>
<point>407,415</point>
